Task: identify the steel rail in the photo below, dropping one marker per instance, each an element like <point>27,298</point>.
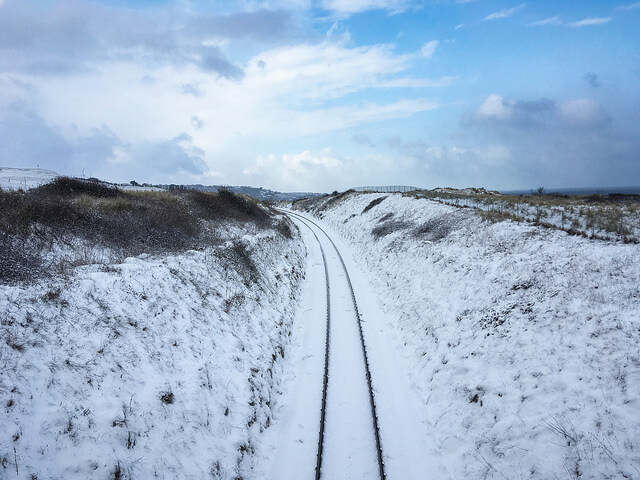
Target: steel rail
<point>325,381</point>
<point>372,402</point>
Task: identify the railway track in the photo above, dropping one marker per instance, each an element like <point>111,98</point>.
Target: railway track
<point>310,224</point>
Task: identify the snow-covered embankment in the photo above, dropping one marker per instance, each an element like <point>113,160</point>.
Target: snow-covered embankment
<point>157,367</point>
<point>524,342</point>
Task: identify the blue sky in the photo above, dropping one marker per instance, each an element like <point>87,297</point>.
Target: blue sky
<point>324,95</point>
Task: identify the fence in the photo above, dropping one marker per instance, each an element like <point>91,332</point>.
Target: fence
<point>388,189</point>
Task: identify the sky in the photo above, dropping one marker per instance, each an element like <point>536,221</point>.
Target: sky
<point>323,95</point>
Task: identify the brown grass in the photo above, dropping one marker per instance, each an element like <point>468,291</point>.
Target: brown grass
<point>129,222</point>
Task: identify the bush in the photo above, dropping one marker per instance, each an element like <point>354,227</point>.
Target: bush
<point>129,223</point>
<point>373,203</point>
<point>18,261</point>
<point>388,227</point>
<point>228,205</point>
<point>333,199</point>
<point>284,228</point>
<point>385,217</point>
<point>65,186</point>
<point>435,229</point>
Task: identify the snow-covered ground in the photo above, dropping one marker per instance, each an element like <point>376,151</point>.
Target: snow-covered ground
<point>138,188</point>
<point>604,217</point>
<point>497,350</point>
<point>524,342</point>
<point>156,367</point>
<point>27,178</point>
<point>24,178</point>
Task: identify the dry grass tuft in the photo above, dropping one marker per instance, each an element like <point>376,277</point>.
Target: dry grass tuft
<point>101,216</point>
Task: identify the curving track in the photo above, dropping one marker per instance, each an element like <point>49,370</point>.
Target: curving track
<point>347,446</point>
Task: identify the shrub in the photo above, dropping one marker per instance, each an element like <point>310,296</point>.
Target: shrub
<point>495,216</point>
<point>385,217</point>
<point>388,227</point>
<point>65,186</point>
<point>226,205</point>
<point>333,199</point>
<point>373,203</point>
<point>435,229</point>
<point>18,260</point>
<point>127,223</point>
<point>284,228</point>
<point>240,256</point>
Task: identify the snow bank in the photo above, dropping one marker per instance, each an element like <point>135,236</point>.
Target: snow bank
<point>524,341</point>
<point>157,367</point>
<point>24,178</point>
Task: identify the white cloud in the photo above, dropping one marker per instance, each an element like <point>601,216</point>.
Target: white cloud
<point>547,21</point>
<point>494,107</point>
<point>631,6</point>
<point>504,13</point>
<point>282,95</point>
<point>301,163</point>
<point>582,112</point>
<point>590,21</point>
<point>429,48</point>
<point>323,71</point>
<point>232,121</point>
<point>473,164</point>
<point>459,26</point>
<point>302,123</point>
<point>211,123</point>
<point>495,155</point>
<point>543,114</point>
<point>417,82</point>
<point>305,170</point>
<point>328,170</point>
<point>348,7</point>
<point>258,5</point>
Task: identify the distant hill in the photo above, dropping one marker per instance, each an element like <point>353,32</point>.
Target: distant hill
<point>259,193</point>
<point>24,178</point>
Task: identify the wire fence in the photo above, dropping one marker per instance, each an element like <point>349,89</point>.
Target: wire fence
<point>388,189</point>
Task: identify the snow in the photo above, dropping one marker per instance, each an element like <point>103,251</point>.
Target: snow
<point>156,367</point>
<point>497,350</point>
<point>288,450</point>
<point>27,178</point>
<point>349,444</point>
<point>522,342</point>
<point>608,220</point>
<point>24,178</point>
<point>290,447</point>
<point>138,188</point>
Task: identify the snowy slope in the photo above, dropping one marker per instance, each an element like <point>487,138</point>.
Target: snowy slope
<point>157,367</point>
<point>524,342</point>
<point>24,178</point>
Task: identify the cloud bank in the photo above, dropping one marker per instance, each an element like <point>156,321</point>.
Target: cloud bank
<point>294,94</point>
